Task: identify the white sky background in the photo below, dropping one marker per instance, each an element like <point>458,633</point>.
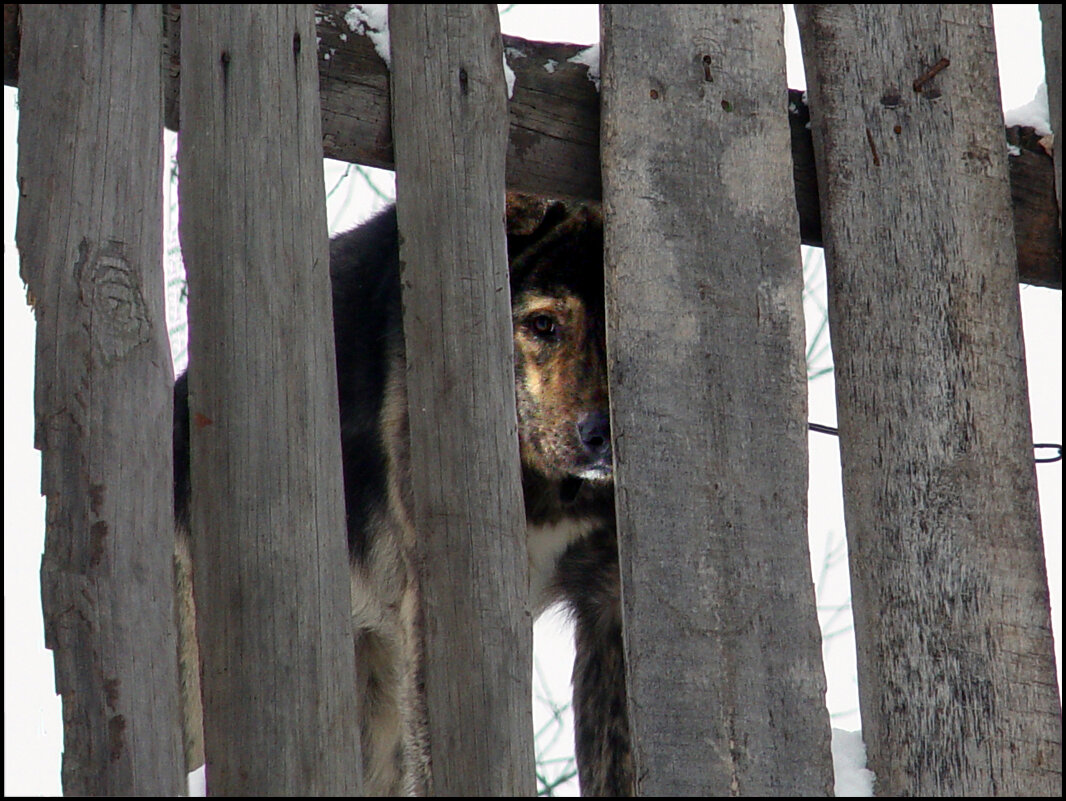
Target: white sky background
<point>32,723</point>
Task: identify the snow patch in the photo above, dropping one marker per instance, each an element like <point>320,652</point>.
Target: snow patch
<point>508,75</point>
<point>853,778</point>
<point>372,20</point>
<point>1034,114</point>
<point>198,783</point>
<point>590,59</point>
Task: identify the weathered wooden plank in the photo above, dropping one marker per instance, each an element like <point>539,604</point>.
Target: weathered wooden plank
<point>450,119</point>
<point>270,559</point>
<point>1051,22</point>
<point>554,136</point>
<point>704,283</point>
<point>90,238</point>
<point>956,666</point>
<point>1035,210</point>
<point>554,139</point>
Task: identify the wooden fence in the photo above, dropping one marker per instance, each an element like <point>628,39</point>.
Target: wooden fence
<point>699,157</point>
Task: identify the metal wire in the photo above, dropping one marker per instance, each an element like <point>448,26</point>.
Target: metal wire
<point>821,429</point>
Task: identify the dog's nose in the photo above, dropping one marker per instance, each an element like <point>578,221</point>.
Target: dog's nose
<point>594,429</point>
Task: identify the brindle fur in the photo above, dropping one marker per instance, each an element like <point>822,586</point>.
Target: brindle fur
<point>556,251</point>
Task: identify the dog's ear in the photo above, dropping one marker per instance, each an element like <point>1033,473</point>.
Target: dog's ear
<point>529,215</point>
<point>530,219</point>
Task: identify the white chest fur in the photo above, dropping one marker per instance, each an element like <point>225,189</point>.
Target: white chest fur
<point>546,544</point>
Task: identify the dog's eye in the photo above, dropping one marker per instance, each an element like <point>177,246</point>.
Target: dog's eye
<point>544,327</point>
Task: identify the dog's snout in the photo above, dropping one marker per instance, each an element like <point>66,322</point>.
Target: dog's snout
<point>594,429</point>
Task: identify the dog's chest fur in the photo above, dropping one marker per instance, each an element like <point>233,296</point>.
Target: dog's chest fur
<point>547,542</point>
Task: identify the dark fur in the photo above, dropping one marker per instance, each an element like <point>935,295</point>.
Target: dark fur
<point>556,253</point>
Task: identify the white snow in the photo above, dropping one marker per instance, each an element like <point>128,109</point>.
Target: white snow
<point>372,20</point>
<point>590,58</point>
<point>508,74</point>
<point>849,765</point>
<point>1034,114</point>
<point>198,783</point>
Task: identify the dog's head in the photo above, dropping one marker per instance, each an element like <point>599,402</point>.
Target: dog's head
<point>556,255</point>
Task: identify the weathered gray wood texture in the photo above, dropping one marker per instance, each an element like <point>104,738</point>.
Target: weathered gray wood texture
<point>553,146</point>
<point>450,121</point>
<point>956,670</point>
<point>90,237</point>
<point>270,577</point>
<point>1051,21</point>
<point>709,404</point>
<point>554,142</point>
<point>554,136</point>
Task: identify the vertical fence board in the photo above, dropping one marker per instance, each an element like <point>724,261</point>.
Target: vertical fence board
<point>956,672</point>
<point>1051,21</point>
<point>90,237</point>
<point>449,125</point>
<point>708,396</point>
<point>270,562</point>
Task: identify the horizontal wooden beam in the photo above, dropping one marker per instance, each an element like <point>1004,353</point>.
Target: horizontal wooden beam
<point>554,144</point>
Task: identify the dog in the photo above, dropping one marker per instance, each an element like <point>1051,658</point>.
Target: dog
<point>555,252</point>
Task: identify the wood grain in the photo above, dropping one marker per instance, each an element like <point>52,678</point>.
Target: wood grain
<point>708,404</point>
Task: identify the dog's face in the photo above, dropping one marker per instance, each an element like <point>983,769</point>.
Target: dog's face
<point>556,253</point>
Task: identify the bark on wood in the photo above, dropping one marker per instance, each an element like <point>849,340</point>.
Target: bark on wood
<point>704,285</point>
<point>90,237</point>
<point>270,563</point>
<point>554,136</point>
<point>466,490</point>
<point>554,139</point>
<point>956,670</point>
<point>1051,20</point>
<point>1035,210</point>
<point>450,121</point>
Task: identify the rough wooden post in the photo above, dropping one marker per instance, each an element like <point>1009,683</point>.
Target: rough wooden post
<point>957,681</point>
<point>709,403</point>
<point>90,236</point>
<point>449,127</point>
<point>270,562</point>
<point>1051,20</point>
